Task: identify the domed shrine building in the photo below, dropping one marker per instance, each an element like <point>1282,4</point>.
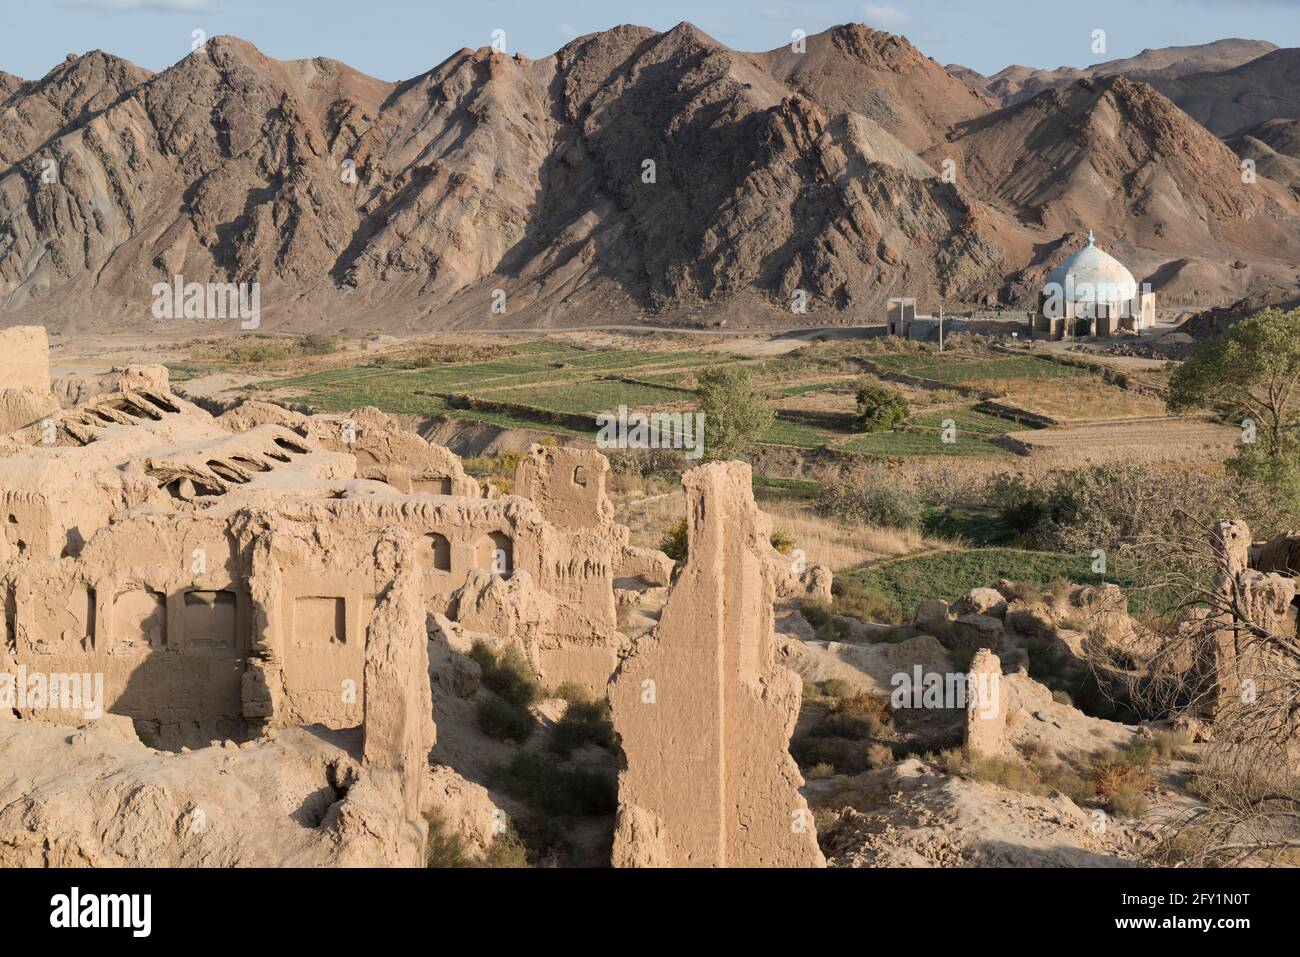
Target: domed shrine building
<point>1091,294</point>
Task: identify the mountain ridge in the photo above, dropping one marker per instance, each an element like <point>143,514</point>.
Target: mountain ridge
<point>632,176</point>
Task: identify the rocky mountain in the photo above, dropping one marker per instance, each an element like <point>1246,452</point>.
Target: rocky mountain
<point>632,176</point>
<point>1117,155</point>
<point>1274,145</point>
<point>1014,84</point>
<point>1230,101</point>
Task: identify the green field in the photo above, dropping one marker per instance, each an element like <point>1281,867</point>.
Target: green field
<point>591,396</point>
<point>962,369</point>
<point>902,442</point>
<point>907,582</point>
<point>566,379</point>
<point>966,421</point>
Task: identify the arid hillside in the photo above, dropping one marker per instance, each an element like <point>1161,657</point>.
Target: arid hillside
<point>1018,83</point>
<point>1230,101</point>
<point>632,177</point>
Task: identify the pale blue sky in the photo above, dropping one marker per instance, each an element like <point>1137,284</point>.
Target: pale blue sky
<point>397,39</point>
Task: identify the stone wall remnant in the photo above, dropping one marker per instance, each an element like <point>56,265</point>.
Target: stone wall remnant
<point>986,707</point>
<point>704,711</point>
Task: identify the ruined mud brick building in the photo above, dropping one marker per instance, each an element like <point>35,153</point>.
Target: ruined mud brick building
<point>219,570</point>
<point>1253,672</point>
<point>234,575</point>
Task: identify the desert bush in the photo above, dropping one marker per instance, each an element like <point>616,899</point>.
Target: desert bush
<point>816,613</point>
<point>499,470</point>
<point>1127,802</point>
<point>1115,771</point>
<point>647,463</point>
<point>554,790</point>
<point>844,755</point>
<point>1110,506</point>
<point>1022,506</point>
<point>506,673</point>
<point>780,540</point>
<point>584,722</point>
<point>879,756</point>
<point>1030,592</point>
<point>498,718</point>
<point>319,344</point>
<point>1062,697</point>
<point>880,408</point>
<point>871,497</point>
<point>821,771</point>
<point>443,847</point>
<point>1172,745</point>
<point>505,715</point>
<point>506,850</point>
<point>855,598</point>
<point>837,688</point>
<point>674,542</point>
<point>570,691</point>
<point>856,717</point>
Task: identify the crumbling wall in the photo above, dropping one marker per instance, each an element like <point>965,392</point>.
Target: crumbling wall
<point>388,453</point>
<point>156,605</point>
<point>567,485</point>
<point>398,731</point>
<point>704,712</point>
<point>25,396</point>
<point>25,358</point>
<point>1245,668</point>
<point>986,707</point>
<point>73,391</point>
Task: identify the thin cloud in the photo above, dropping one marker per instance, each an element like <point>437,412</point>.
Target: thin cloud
<point>884,15</point>
<point>133,6</point>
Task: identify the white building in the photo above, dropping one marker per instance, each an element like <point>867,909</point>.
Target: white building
<point>1091,294</point>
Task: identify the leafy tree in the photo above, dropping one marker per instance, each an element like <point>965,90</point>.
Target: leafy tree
<point>880,409</point>
<point>1252,371</point>
<point>734,414</point>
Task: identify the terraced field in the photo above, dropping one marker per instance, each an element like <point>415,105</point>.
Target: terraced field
<point>1156,439</point>
<point>973,370</point>
<point>552,384</point>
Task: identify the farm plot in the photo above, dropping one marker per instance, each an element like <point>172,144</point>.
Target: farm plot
<point>973,370</point>
<point>1152,440</point>
<point>906,442</point>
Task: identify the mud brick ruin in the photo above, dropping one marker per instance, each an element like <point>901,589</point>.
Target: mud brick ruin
<point>237,577</point>
<point>704,710</point>
<point>1256,586</point>
<point>986,708</point>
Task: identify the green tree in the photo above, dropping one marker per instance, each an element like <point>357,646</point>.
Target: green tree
<point>1252,371</point>
<point>734,414</point>
<point>880,409</point>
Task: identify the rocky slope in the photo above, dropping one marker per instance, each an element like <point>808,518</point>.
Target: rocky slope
<point>1274,145</point>
<point>1229,101</point>
<point>1115,153</point>
<point>1016,84</point>
<point>632,176</point>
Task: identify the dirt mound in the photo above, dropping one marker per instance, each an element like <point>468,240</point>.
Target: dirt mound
<point>913,815</point>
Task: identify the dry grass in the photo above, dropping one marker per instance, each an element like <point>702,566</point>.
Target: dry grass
<point>1157,441</point>
<point>648,511</point>
<point>1074,398</point>
<point>827,542</point>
